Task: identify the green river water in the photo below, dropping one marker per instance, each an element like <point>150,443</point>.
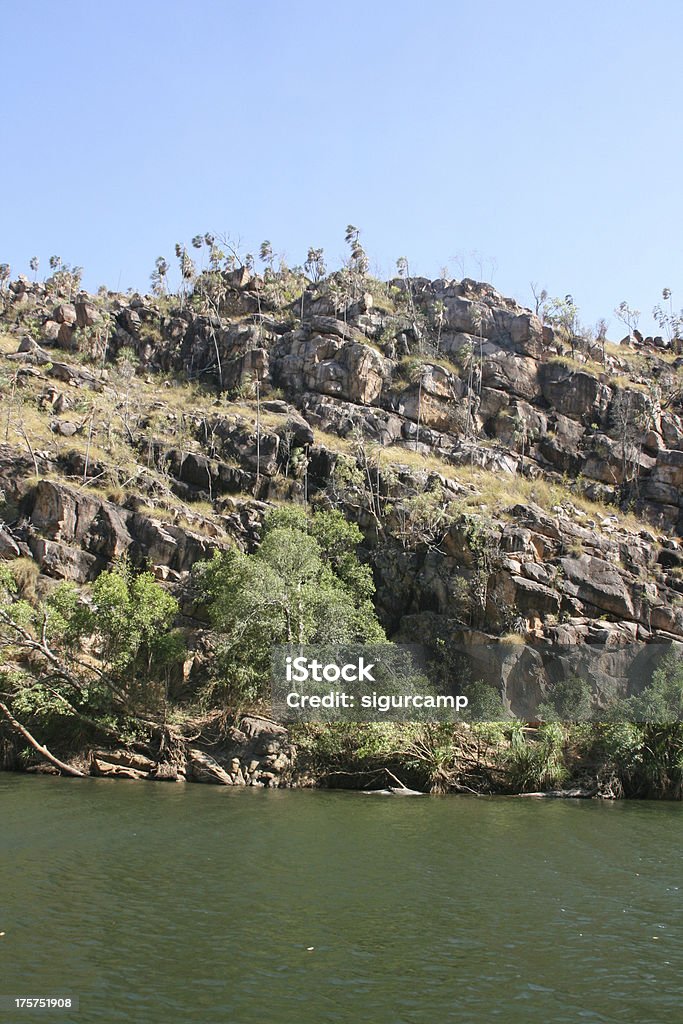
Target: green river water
<point>175,904</point>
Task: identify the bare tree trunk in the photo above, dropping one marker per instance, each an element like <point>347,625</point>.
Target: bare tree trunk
<point>67,769</point>
<point>30,448</point>
<point>87,448</point>
<point>218,359</point>
<point>258,431</point>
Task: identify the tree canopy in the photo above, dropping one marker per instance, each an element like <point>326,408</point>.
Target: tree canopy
<point>87,658</point>
<point>304,584</point>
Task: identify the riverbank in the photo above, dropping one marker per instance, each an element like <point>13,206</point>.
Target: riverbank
<point>597,760</point>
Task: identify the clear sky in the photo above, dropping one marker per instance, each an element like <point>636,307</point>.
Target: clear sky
<point>546,136</point>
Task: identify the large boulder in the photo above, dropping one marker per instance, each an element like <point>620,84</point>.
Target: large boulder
<point>8,546</point>
<point>204,768</point>
<point>514,374</point>
<point>87,314</point>
<point>239,441</point>
<point>65,313</point>
<point>329,365</point>
<point>74,535</point>
<point>597,583</point>
<point>575,393</point>
<point>467,316</point>
<point>344,418</point>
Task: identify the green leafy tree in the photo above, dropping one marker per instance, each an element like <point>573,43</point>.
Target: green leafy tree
<point>568,701</point>
<point>304,584</point>
<point>131,619</point>
<point>97,662</point>
<point>563,315</point>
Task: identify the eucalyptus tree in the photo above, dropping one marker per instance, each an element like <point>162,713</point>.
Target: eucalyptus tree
<point>478,320</point>
<point>266,254</point>
<point>65,279</point>
<point>403,269</point>
<point>416,375</point>
<point>439,317</point>
<point>315,264</point>
<point>668,321</point>
<point>159,276</point>
<point>563,314</point>
<point>628,316</point>
<point>459,261</point>
<point>95,663</point>
<point>358,265</point>
<point>209,291</point>
<point>601,336</point>
<point>188,271</point>
<point>540,299</point>
<point>304,584</point>
<point>273,291</point>
<point>479,260</point>
<point>467,355</point>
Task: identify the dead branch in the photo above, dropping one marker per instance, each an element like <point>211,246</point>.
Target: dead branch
<point>67,769</point>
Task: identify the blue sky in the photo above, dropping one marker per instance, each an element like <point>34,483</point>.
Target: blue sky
<point>544,136</point>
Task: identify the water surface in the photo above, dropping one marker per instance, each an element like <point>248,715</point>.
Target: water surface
<point>175,904</point>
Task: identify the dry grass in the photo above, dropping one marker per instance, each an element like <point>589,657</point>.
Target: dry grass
<point>8,343</point>
<point>627,384</point>
<point>498,492</point>
<point>639,364</point>
<point>407,362</point>
<point>405,456</point>
<point>637,360</point>
<point>590,366</point>
<point>512,639</point>
<point>333,441</point>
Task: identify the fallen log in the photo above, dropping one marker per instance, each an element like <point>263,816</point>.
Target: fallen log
<point>67,769</point>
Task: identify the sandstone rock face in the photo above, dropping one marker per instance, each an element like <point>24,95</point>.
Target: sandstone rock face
<point>449,380</point>
<point>204,768</point>
<point>575,394</point>
<point>435,399</point>
<point>515,375</point>
<point>238,440</point>
<point>74,535</point>
<point>333,356</point>
<point>8,546</point>
<point>87,314</point>
<point>330,365</point>
<point>65,314</point>
<point>343,418</point>
<point>595,582</point>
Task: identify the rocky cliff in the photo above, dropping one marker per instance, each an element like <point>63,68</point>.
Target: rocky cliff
<point>510,479</point>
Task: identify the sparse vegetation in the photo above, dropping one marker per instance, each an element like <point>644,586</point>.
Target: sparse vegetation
<point>194,411</point>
